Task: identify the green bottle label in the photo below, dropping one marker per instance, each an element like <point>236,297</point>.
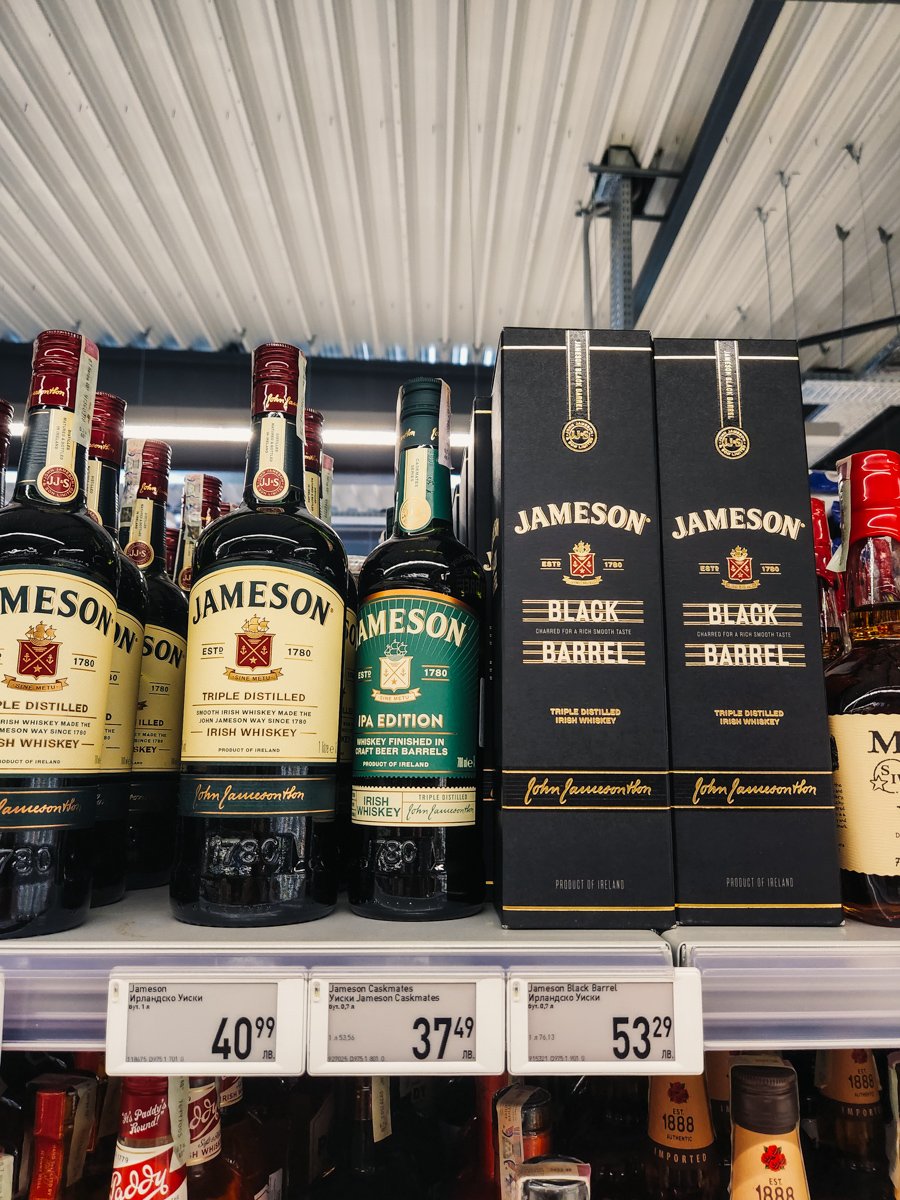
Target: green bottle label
<point>423,490</point>
<point>416,705</point>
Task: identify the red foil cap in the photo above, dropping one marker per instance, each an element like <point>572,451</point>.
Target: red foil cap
<point>145,1109</point>
<point>874,494</point>
<point>279,378</point>
<point>821,539</point>
<point>212,495</point>
<point>107,429</point>
<point>50,1115</point>
<point>54,368</point>
<point>314,422</point>
<point>156,458</point>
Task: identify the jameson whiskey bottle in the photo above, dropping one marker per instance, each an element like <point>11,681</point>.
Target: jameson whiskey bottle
<point>767,1162</point>
<point>171,550</point>
<point>208,1175</point>
<point>312,460</point>
<point>110,856</point>
<point>682,1162</point>
<point>58,579</point>
<point>864,691</point>
<point>417,836</point>
<point>325,500</point>
<point>147,1162</point>
<point>157,735</point>
<point>201,502</point>
<point>850,1123</point>
<point>831,619</point>
<point>256,840</point>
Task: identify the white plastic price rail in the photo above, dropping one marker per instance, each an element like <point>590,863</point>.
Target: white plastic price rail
<point>406,1023</point>
<point>205,1023</point>
<point>647,1022</point>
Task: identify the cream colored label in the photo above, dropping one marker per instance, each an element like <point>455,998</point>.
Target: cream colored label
<point>56,643</point>
<point>205,1124</point>
<point>7,1170</point>
<point>413,806</point>
<point>767,1166</point>
<point>263,671</point>
<point>122,697</point>
<point>92,497</point>
<point>231,1090</point>
<point>157,734</point>
<point>56,480</point>
<point>848,1076</point>
<point>85,391</point>
<point>311,487</point>
<point>327,491</point>
<point>415,508</point>
<point>270,481</point>
<point>867,792</point>
<point>381,1108</point>
<point>679,1113</point>
<point>140,548</point>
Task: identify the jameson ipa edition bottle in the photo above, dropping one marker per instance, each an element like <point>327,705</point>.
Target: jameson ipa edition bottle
<point>58,579</point>
<point>850,1123</point>
<point>201,502</point>
<point>147,1163</point>
<point>418,844</point>
<point>767,1162</point>
<point>157,735</point>
<point>864,691</point>
<point>682,1160</point>
<point>256,833</point>
<point>132,599</point>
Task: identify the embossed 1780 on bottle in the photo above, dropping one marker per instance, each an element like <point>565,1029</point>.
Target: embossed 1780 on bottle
<point>256,832</point>
<point>417,844</point>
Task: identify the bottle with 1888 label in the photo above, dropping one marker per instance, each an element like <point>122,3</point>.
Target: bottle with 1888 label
<point>417,835</point>
<point>766,1158</point>
<point>59,573</point>
<point>256,840</point>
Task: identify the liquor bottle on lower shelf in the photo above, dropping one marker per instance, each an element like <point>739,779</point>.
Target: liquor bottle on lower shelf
<point>145,1150</point>
<point>60,1129</point>
<point>208,1174</point>
<point>524,1125</point>
<point>101,1150</point>
<point>766,1159</point>
<point>682,1161</point>
<point>367,1162</point>
<point>610,1133</point>
<point>850,1124</point>
<point>59,574</point>
<point>864,691</point>
<point>157,738</point>
<point>479,1178</point>
<point>417,833</point>
<point>6,416</point>
<point>256,841</point>
<point>201,501</point>
<point>243,1141</point>
<point>831,620</point>
<point>110,860</point>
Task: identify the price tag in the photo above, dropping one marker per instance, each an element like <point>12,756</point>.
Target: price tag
<point>205,1023</point>
<point>609,1023</point>
<point>435,1024</point>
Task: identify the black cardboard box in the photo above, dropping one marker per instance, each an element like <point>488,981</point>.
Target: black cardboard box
<point>753,814</point>
<point>585,832</point>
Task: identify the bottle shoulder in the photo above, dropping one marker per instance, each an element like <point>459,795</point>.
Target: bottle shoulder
<point>435,561</point>
<point>866,679</point>
<point>32,535</point>
<point>167,604</point>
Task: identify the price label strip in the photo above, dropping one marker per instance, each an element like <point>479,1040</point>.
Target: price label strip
<point>609,1023</point>
<point>434,1024</point>
<point>205,1023</point>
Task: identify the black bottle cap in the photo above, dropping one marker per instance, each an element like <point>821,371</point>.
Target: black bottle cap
<point>537,1112</point>
<point>765,1099</point>
<point>421,395</point>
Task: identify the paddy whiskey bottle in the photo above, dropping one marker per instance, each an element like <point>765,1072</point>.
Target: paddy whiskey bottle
<point>111,834</point>
<point>157,736</point>
<point>682,1161</point>
<point>58,580</point>
<point>417,840</point>
<point>767,1162</point>
<point>256,832</point>
<point>208,1174</point>
<point>864,691</point>
<point>147,1161</point>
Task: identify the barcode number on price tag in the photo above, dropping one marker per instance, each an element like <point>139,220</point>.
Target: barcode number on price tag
<point>607,1023</point>
<point>205,1023</point>
<point>390,1025</point>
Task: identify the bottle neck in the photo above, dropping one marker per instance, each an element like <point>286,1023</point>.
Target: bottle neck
<point>873,589</point>
<point>102,494</point>
<point>142,535</point>
<point>275,464</point>
<point>422,493</point>
<point>362,1135</point>
<point>52,465</point>
<point>231,1098</point>
<point>205,1125</point>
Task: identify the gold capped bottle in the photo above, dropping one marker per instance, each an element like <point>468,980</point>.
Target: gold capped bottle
<point>59,574</point>
<point>682,1161</point>
<point>864,692</point>
<point>201,501</point>
<point>256,842</point>
<point>767,1161</point>
<point>157,735</point>
<point>416,827</point>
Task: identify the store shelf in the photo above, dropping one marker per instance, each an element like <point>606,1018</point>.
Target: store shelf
<point>56,986</point>
<point>795,987</point>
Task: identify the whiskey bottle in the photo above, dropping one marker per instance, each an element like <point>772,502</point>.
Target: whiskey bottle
<point>864,691</point>
<point>147,1162</point>
<point>208,1175</point>
<point>831,623</point>
<point>200,504</point>
<point>312,459</point>
<point>157,737</point>
<point>417,837</point>
<point>110,853</point>
<point>243,1141</point>
<point>368,1164</point>
<point>767,1162</point>
<point>171,550</point>
<point>610,1133</point>
<point>256,834</point>
<point>6,416</point>
<point>478,1180</point>
<point>58,579</point>
<point>850,1124</point>
<point>682,1162</point>
<point>325,500</point>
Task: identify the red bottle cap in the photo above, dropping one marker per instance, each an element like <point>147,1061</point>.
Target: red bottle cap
<point>874,494</point>
<point>212,496</point>
<point>279,378</point>
<point>156,458</point>
<point>314,423</point>
<point>145,1109</point>
<point>107,428</point>
<point>821,539</point>
<point>54,368</point>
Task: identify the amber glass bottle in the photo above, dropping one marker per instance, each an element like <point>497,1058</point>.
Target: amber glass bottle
<point>208,1175</point>
<point>243,1141</point>
<point>864,692</point>
<point>682,1162</point>
<point>479,1178</point>
<point>851,1128</point>
<point>767,1161</point>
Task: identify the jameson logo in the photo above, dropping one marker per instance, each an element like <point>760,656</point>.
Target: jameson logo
<point>162,650</point>
<point>224,796</point>
<point>395,676</point>
<point>731,440</point>
<point>253,654</point>
<point>710,791</point>
<point>712,519</point>
<point>46,600</point>
<point>44,808</point>
<point>581,512</point>
<point>579,434</point>
<point>259,593</point>
<point>436,624</point>
<point>537,790</point>
<point>38,655</point>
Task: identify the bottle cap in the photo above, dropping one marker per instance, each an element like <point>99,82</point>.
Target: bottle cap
<point>212,494</point>
<point>537,1112</point>
<point>156,459</point>
<point>313,430</point>
<point>821,539</point>
<point>421,395</point>
<point>145,1108</point>
<point>6,416</point>
<point>279,379</point>
<point>55,364</point>
<point>107,428</point>
<point>555,1189</point>
<point>874,478</point>
<point>765,1099</point>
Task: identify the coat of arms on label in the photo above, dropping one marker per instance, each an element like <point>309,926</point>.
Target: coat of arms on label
<point>582,566</point>
<point>253,652</point>
<point>39,659</point>
<point>740,570</point>
<point>395,676</point>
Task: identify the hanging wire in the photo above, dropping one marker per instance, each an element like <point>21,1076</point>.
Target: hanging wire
<point>763,217</point>
<point>886,242</point>
<point>856,155</point>
<point>843,234</point>
<point>785,183</point>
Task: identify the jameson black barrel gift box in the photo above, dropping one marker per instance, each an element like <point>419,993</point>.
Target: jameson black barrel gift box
<point>578,639</point>
<point>752,802</point>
